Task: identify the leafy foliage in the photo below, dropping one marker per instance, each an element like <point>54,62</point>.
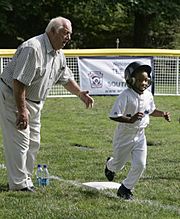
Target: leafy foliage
<point>96,23</point>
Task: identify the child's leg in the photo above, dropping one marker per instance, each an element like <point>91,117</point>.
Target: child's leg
<point>138,163</point>
<point>122,146</point>
<point>120,156</point>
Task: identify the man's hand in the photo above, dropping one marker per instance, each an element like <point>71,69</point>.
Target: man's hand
<point>22,120</point>
<point>84,96</point>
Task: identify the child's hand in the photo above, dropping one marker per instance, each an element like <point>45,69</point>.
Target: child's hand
<point>137,116</point>
<point>167,116</point>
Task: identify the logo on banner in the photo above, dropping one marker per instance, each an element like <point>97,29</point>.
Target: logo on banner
<point>119,67</point>
<point>96,79</point>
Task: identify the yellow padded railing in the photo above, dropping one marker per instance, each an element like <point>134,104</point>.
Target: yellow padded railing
<point>107,52</point>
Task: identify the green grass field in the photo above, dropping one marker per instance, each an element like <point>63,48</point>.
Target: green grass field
<point>75,144</point>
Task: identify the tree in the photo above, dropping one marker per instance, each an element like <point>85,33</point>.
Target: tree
<point>5,27</point>
<point>100,22</point>
<point>96,23</point>
<point>151,15</point>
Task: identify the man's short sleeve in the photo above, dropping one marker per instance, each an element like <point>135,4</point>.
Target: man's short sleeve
<point>25,68</point>
<point>67,74</point>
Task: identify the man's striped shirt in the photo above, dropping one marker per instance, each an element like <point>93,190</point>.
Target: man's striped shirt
<point>37,65</point>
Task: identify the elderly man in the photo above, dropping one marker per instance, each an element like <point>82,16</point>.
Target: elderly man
<point>24,85</point>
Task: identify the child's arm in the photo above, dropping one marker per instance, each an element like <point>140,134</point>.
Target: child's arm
<point>159,113</point>
<point>126,119</point>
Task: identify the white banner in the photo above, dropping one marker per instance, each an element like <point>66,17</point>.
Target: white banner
<point>105,75</point>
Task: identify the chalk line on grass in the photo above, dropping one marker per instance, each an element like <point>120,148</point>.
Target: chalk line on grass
<point>111,194</point>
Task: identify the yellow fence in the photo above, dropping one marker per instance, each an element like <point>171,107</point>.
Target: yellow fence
<point>107,52</point>
<point>166,66</point>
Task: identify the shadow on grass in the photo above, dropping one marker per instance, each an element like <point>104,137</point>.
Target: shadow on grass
<point>3,188</point>
<point>159,177</point>
<point>94,193</point>
<point>154,143</point>
<point>83,147</point>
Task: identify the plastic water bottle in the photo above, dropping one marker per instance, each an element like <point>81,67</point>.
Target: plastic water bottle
<point>45,180</point>
<point>39,175</point>
<point>2,166</point>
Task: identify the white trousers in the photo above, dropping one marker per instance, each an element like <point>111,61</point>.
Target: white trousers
<point>129,145</point>
<point>20,146</point>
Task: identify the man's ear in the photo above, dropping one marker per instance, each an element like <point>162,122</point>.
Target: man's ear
<point>53,30</point>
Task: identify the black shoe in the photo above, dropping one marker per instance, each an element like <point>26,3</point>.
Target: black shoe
<point>124,193</point>
<point>32,187</point>
<point>108,173</point>
<point>27,189</point>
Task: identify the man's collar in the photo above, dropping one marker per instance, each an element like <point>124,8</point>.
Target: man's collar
<point>49,47</point>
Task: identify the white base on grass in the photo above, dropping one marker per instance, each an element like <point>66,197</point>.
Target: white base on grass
<point>102,185</point>
<point>112,185</point>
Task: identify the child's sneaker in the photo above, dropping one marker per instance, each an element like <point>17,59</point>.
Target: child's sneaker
<point>108,173</point>
<point>124,193</point>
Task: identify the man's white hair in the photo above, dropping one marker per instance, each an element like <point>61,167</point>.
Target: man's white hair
<point>56,23</point>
